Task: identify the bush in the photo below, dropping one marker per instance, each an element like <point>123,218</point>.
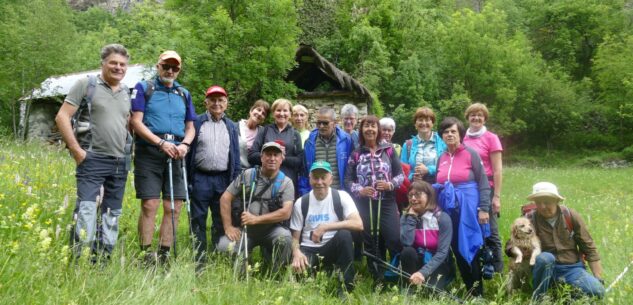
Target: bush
<point>627,153</point>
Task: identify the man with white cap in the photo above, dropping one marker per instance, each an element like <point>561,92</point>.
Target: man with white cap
<point>162,118</point>
<point>269,195</point>
<point>213,163</point>
<point>566,245</point>
<point>321,223</point>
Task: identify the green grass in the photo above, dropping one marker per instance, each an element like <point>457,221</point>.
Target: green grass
<point>37,194</point>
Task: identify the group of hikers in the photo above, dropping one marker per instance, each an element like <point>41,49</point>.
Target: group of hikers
<point>308,198</point>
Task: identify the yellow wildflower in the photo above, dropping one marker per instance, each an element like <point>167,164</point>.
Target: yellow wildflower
<point>15,247</point>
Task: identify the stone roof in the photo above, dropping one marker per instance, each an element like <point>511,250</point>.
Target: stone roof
<point>60,85</point>
<point>313,69</point>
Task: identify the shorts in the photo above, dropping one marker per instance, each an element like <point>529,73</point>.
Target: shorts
<point>151,174</point>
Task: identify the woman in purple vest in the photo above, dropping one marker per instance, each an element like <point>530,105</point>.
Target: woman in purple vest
<point>373,173</point>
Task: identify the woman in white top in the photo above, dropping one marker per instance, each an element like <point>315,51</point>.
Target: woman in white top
<point>248,129</point>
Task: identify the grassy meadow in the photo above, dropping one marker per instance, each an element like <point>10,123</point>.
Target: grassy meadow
<point>37,194</point>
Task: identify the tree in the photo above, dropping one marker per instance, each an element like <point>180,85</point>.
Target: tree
<point>38,41</point>
<point>614,79</point>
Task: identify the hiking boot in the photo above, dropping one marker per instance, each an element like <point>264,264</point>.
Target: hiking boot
<point>164,259</point>
<point>343,295</point>
<point>149,260</point>
<point>100,259</point>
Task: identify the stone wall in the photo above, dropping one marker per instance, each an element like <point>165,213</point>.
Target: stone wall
<point>109,5</point>
<point>41,121</point>
<point>314,102</point>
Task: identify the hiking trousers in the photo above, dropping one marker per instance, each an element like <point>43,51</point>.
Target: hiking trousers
<point>95,171</point>
<point>205,195</point>
<point>388,230</point>
<point>339,252</point>
<point>276,244</point>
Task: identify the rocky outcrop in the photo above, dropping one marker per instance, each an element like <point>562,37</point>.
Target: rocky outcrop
<point>109,5</point>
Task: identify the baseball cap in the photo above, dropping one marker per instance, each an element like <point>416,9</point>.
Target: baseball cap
<point>321,164</point>
<point>272,144</point>
<point>170,55</point>
<point>216,89</point>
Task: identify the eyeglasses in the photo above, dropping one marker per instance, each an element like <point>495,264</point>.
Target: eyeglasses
<point>173,68</point>
<point>322,123</point>
<point>416,195</point>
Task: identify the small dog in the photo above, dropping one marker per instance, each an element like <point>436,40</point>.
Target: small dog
<point>524,245</point>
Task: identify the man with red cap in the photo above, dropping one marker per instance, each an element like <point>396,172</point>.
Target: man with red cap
<point>162,117</point>
<point>213,163</point>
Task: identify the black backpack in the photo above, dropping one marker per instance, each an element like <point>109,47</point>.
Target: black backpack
<point>305,201</point>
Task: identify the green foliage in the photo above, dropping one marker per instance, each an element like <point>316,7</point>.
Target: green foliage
<point>614,77</point>
<point>245,47</point>
<point>316,20</point>
<point>627,153</point>
<point>568,32</point>
<point>554,74</point>
<point>37,41</point>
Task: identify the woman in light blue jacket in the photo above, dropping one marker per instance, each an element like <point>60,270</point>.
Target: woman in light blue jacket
<point>422,151</point>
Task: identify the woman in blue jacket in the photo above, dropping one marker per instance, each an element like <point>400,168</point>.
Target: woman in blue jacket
<point>422,150</point>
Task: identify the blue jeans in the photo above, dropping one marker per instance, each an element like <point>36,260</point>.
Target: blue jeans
<point>546,269</point>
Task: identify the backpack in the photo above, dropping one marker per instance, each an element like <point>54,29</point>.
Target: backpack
<point>305,201</point>
<point>150,87</point>
<point>81,127</point>
<point>409,142</point>
<point>274,203</point>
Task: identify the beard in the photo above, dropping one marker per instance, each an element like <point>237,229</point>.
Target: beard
<point>167,80</point>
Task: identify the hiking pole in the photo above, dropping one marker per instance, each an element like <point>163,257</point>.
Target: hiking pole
<point>246,206</point>
<point>619,277</point>
<point>378,223</point>
<point>403,273</point>
<point>238,259</point>
<point>171,198</point>
<point>187,202</point>
<point>372,230</point>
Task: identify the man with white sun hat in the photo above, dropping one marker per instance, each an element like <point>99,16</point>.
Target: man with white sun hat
<point>566,244</point>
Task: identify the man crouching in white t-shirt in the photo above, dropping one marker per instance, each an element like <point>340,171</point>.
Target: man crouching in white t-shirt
<point>321,236</point>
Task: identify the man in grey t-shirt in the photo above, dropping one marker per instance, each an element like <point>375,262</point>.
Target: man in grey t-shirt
<point>271,205</point>
<point>100,151</point>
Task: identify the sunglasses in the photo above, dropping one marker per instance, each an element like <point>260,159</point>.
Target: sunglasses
<point>173,68</point>
<point>322,123</point>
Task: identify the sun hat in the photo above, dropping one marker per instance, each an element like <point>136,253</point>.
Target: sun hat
<point>545,189</point>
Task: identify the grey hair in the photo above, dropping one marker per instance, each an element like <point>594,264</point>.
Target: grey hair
<point>349,109</point>
<point>328,111</point>
<point>388,122</point>
<point>114,48</point>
